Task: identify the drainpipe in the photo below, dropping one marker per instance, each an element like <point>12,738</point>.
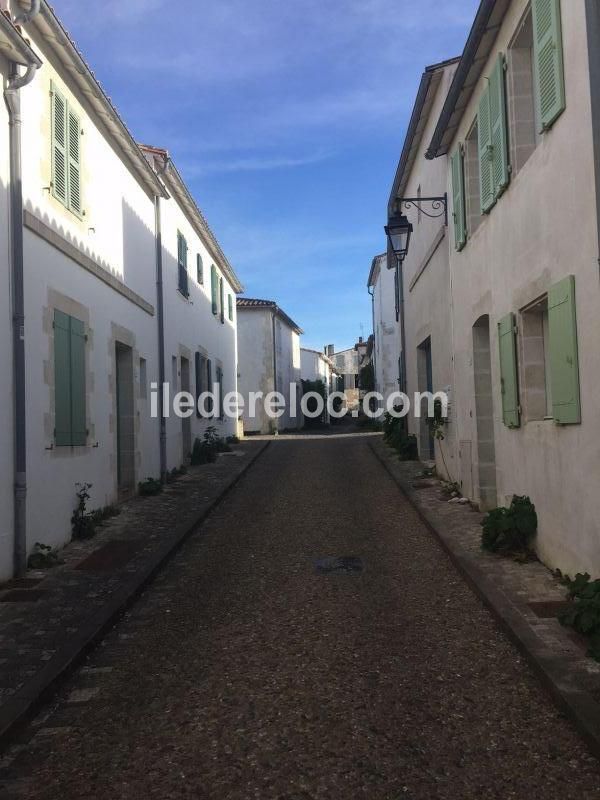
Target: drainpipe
<point>372,293</point>
<point>276,431</point>
<point>13,102</point>
<point>160,316</point>
<point>26,16</point>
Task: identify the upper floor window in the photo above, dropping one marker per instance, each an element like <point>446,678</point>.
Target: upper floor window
<point>66,153</point>
<point>222,299</point>
<point>523,126</point>
<point>182,265</point>
<point>214,289</point>
<point>199,269</point>
<point>230,306</point>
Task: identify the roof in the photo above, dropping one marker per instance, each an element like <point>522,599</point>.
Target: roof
<point>375,267</point>
<point>165,167</point>
<point>250,303</point>
<point>14,46</point>
<point>477,50</point>
<point>430,81</point>
<point>53,37</point>
<point>324,356</point>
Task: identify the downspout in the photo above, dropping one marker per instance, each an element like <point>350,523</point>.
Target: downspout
<point>160,316</point>
<point>276,431</point>
<point>372,293</point>
<point>13,102</point>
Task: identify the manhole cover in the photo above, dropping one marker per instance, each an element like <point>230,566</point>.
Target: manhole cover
<point>549,609</point>
<point>339,565</point>
<point>21,596</point>
<point>115,553</point>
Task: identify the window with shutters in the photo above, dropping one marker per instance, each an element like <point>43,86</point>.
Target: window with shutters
<point>458,198</point>
<point>493,138</point>
<point>564,358</point>
<point>70,427</point>
<point>182,279</point>
<point>222,300</point>
<point>230,306</point>
<point>535,361</point>
<point>199,269</point>
<point>472,194</point>
<point>548,61</point>
<point>509,385</point>
<point>66,153</point>
<point>523,126</point>
<point>214,289</point>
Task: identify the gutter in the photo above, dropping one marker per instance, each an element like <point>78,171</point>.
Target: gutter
<point>12,97</point>
<point>274,329</point>
<point>160,317</point>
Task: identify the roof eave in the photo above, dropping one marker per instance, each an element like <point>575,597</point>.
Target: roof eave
<point>14,46</point>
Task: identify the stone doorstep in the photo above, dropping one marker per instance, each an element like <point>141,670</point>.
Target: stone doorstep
<point>511,592</point>
<point>18,704</point>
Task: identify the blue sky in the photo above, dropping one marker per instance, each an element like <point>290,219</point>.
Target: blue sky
<point>286,119</point>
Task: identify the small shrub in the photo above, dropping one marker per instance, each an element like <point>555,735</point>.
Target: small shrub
<point>408,448</point>
<point>100,515</point>
<point>510,530</point>
<point>44,557</point>
<point>82,522</point>
<point>584,616</point>
<point>150,487</point>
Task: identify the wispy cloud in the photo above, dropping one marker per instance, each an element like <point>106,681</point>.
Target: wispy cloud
<point>256,163</point>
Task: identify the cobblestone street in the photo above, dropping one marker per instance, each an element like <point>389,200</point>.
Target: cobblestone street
<point>245,671</point>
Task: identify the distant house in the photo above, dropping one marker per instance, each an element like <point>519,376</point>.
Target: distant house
<point>383,287</point>
<point>317,366</point>
<point>269,361</point>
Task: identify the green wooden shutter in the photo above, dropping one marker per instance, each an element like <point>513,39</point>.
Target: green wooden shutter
<point>486,153</point>
<point>564,358</point>
<point>230,306</point>
<point>458,195</point>
<point>74,163</point>
<point>62,379</point>
<point>209,387</point>
<point>222,299</point>
<point>548,60</point>
<point>59,146</point>
<point>498,128</point>
<point>198,374</point>
<point>214,290</point>
<point>507,340</point>
<point>78,421</point>
<point>199,269</point>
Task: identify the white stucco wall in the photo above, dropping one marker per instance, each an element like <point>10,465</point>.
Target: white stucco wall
<point>427,310</point>
<point>6,427</point>
<point>190,326</point>
<point>513,258</point>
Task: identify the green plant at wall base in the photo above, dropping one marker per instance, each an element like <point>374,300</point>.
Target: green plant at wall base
<point>510,530</point>
<point>150,487</point>
<point>408,449</point>
<point>584,616</point>
<point>44,557</point>
<point>437,422</point>
<point>101,515</point>
<point>82,522</point>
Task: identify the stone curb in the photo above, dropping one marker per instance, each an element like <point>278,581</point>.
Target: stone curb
<point>553,669</point>
<point>18,708</point>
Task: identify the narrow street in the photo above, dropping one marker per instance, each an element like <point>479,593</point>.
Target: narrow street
<point>244,672</point>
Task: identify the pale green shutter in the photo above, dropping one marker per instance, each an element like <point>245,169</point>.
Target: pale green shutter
<point>214,289</point>
<point>74,163</point>
<point>486,152</point>
<point>62,379</point>
<point>499,135</point>
<point>458,195</point>
<point>78,422</point>
<point>564,359</point>
<point>59,146</point>
<point>230,306</point>
<point>548,60</point>
<point>508,371</point>
<point>222,299</point>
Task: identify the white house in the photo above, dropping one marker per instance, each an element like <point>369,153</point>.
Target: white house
<point>520,125</point>
<point>199,291</point>
<point>88,349</point>
<point>383,288</point>
<point>423,278</point>
<point>317,366</point>
<point>269,361</point>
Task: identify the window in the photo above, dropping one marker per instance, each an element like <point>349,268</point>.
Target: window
<point>143,379</point>
<point>199,269</point>
<point>182,284</point>
<point>564,357</point>
<point>70,429</point>
<point>493,138</point>
<point>66,153</point>
<point>230,306</point>
<point>524,128</point>
<point>214,289</point>
<point>471,167</point>
<point>548,61</point>
<point>535,361</point>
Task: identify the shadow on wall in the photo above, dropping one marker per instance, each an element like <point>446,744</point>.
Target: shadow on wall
<point>139,246</point>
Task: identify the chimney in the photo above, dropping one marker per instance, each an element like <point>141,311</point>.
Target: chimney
<point>330,350</point>
<point>360,339</point>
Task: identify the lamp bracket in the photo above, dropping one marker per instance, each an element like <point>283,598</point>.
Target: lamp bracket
<point>438,205</point>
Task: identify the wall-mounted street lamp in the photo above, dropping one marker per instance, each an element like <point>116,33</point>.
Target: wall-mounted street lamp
<point>399,229</point>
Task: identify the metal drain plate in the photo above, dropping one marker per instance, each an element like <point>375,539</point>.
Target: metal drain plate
<point>339,565</point>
